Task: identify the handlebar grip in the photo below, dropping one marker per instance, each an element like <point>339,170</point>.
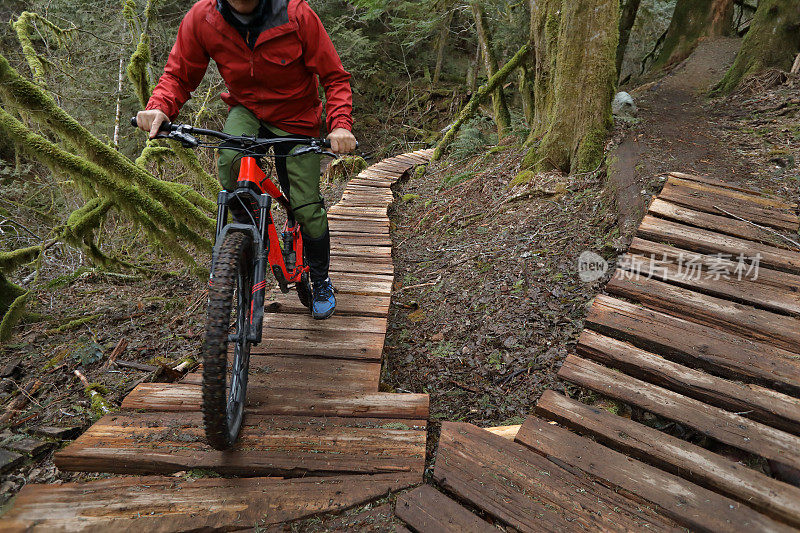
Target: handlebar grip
<point>166,126</point>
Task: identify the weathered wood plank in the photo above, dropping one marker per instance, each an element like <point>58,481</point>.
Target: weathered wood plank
<point>312,374</point>
<point>371,213</point>
<point>341,345</point>
<point>427,510</point>
<point>142,443</point>
<point>353,238</point>
<point>370,254</point>
<point>745,320</point>
<point>168,504</point>
<point>362,283</point>
<point>773,290</point>
<point>707,198</point>
<point>290,402</point>
<point>757,403</point>
<point>716,182</point>
<point>763,200</point>
<point>369,183</point>
<point>347,304</point>
<point>710,242</point>
<point>698,465</point>
<point>355,265</point>
<point>690,505</point>
<point>528,492</point>
<point>729,428</point>
<point>695,345</point>
<point>720,224</point>
<point>331,326</point>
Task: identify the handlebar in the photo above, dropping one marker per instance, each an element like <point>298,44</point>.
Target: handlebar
<point>185,134</point>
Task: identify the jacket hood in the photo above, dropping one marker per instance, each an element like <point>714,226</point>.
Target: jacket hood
<point>269,14</point>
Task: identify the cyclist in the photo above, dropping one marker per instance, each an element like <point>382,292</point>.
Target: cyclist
<point>269,52</point>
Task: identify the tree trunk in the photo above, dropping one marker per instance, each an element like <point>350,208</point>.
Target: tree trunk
<point>772,41</point>
<point>691,21</point>
<point>574,51</point>
<point>626,20</point>
<point>472,71</point>
<point>502,117</point>
<point>441,44</point>
<point>526,92</point>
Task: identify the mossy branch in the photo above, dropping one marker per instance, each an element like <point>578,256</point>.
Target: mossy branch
<point>483,91</point>
<point>26,95</point>
<point>24,29</point>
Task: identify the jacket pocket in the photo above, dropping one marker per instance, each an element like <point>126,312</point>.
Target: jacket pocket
<point>282,50</point>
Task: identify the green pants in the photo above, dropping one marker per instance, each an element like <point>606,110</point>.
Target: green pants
<point>298,175</point>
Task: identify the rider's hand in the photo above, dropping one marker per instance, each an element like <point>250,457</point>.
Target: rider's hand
<point>342,141</point>
<point>151,120</point>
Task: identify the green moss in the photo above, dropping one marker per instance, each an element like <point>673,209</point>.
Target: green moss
<point>346,167</point>
<point>775,25</point>
<point>12,316</point>
<point>420,171</point>
<point>526,176</point>
<point>409,197</point>
<point>78,322</point>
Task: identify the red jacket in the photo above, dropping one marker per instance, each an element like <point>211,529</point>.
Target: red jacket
<point>276,80</point>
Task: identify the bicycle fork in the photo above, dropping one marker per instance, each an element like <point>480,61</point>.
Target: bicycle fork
<point>261,249</point>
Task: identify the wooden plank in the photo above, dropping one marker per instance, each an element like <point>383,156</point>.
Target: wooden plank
<point>141,443</point>
<point>293,401</point>
<point>699,197</point>
<point>372,254</point>
<point>373,223</point>
<point>755,293</point>
<point>720,224</point>
<point>427,510</point>
<point>772,328</point>
<point>362,283</point>
<point>347,304</point>
<point>359,239</point>
<point>719,352</point>
<point>507,432</point>
<point>361,347</point>
<point>331,326</point>
<point>528,492</point>
<point>754,402</point>
<point>167,504</point>
<point>767,201</point>
<point>709,242</point>
<point>692,506</point>
<point>713,181</point>
<point>376,213</point>
<point>352,226</point>
<point>312,374</point>
<point>729,428</point>
<point>698,465</point>
<point>772,290</point>
<point>342,263</point>
<point>369,183</point>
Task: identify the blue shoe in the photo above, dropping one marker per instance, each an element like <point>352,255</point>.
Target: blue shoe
<point>324,302</point>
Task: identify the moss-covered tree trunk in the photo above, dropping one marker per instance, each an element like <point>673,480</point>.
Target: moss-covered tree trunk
<point>502,117</point>
<point>691,21</point>
<point>626,20</point>
<point>773,41</point>
<point>575,47</point>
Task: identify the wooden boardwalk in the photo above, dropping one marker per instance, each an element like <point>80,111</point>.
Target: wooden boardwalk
<point>318,435</point>
<point>692,351</point>
<point>700,347</point>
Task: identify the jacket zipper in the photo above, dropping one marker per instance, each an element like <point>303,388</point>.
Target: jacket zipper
<point>247,41</point>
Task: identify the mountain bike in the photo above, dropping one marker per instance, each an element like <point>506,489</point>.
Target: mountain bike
<point>242,250</point>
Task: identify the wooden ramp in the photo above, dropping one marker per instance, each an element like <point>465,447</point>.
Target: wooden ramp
<point>701,347</point>
<point>318,435</point>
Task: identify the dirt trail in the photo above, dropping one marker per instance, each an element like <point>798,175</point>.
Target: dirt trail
<point>678,130</point>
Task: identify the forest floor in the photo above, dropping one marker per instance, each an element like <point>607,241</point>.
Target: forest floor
<point>487,299</point>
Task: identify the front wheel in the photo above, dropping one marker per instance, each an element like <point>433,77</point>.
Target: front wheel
<point>228,321</point>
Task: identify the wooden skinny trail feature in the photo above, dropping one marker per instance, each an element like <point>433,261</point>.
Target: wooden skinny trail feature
<point>681,335</point>
<point>314,416</point>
